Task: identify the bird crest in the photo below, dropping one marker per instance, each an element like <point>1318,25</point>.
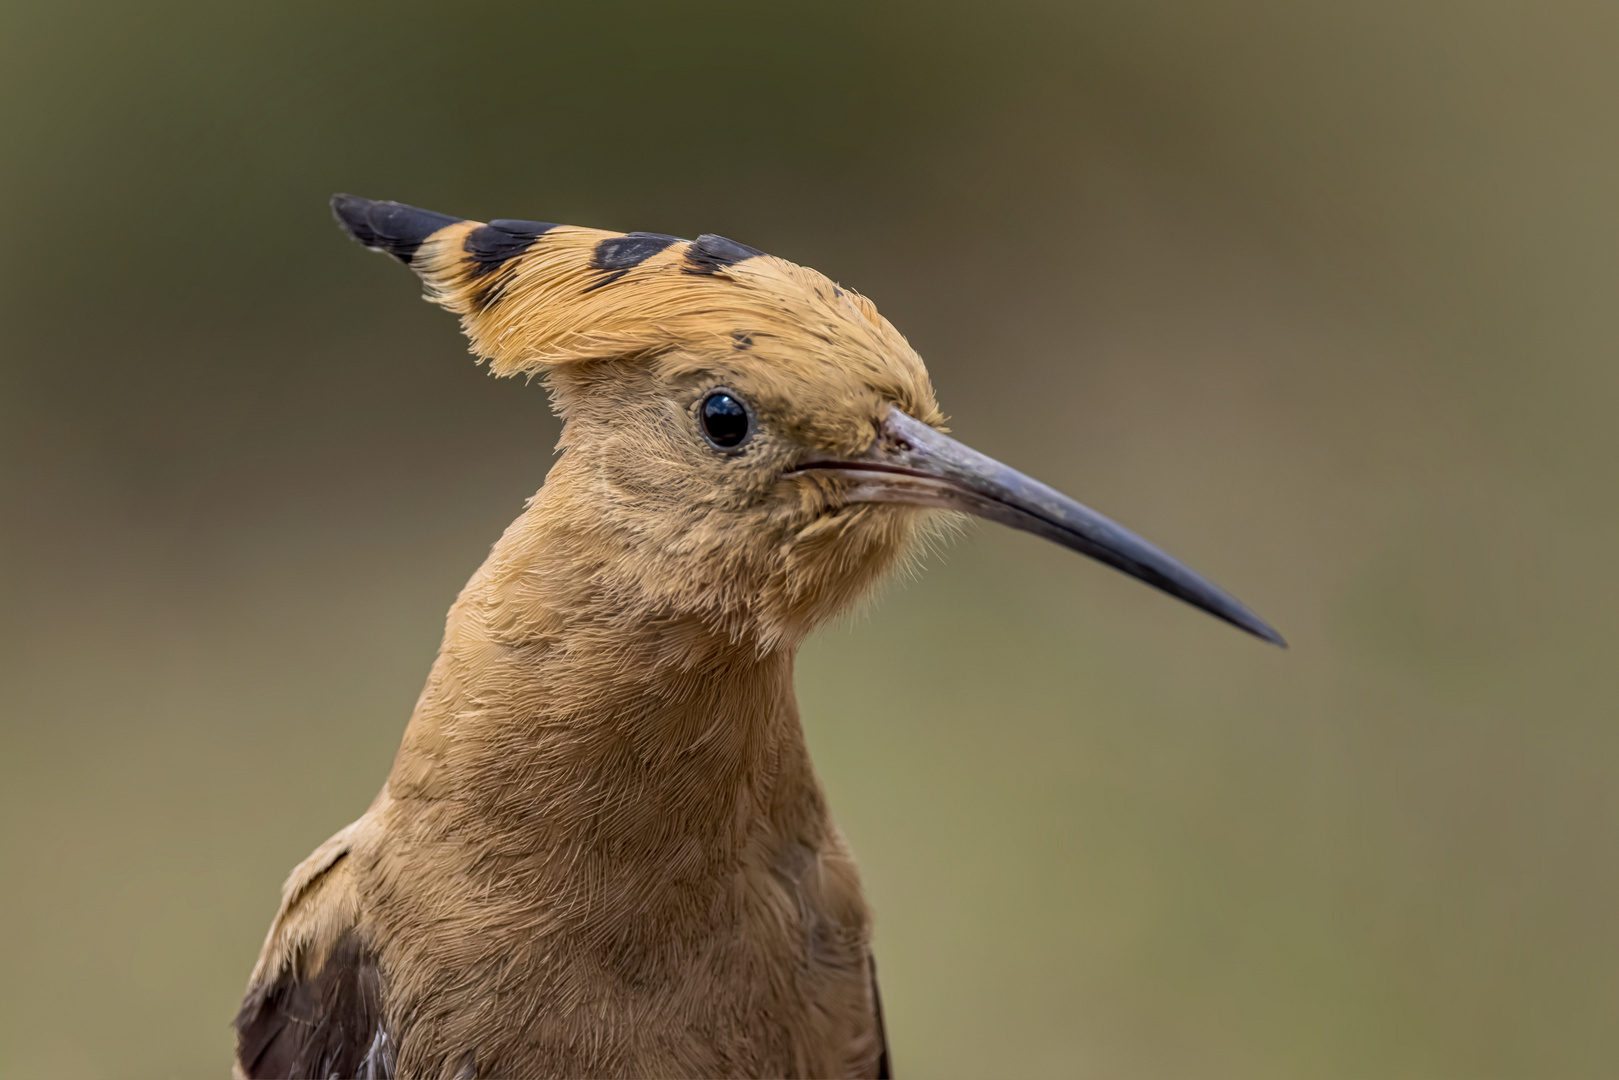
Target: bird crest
<point>533,295</point>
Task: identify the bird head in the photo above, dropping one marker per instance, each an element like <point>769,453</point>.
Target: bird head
<point>745,440</point>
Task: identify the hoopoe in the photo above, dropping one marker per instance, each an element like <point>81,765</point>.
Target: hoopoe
<point>602,849</point>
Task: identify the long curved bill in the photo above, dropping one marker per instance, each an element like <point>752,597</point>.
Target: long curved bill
<point>912,463</point>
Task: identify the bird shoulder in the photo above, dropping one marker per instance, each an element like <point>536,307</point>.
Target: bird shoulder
<point>314,1002</point>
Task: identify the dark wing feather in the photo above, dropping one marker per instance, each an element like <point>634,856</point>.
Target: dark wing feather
<point>885,1069</point>
<point>325,1023</point>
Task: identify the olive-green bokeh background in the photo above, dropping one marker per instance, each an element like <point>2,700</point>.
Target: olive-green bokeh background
<point>1324,298</point>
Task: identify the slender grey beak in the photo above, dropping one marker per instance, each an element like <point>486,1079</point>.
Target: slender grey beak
<point>912,463</point>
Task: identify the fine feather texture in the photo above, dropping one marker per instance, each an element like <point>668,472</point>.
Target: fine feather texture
<point>602,849</point>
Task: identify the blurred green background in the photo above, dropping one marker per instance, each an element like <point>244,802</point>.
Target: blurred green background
<point>1324,298</point>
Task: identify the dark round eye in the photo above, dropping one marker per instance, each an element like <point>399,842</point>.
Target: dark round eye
<point>725,419</point>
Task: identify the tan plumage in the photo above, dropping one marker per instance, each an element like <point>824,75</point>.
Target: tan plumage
<point>602,849</point>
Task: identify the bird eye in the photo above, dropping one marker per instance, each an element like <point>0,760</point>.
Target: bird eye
<point>726,421</point>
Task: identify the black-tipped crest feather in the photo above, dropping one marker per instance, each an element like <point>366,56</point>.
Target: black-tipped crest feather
<point>388,226</point>
<point>491,246</point>
<point>709,254</point>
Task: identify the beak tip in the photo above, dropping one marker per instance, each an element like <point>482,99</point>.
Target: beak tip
<point>1265,632</point>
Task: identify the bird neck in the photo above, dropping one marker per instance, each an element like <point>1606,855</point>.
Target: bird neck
<point>565,720</point>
